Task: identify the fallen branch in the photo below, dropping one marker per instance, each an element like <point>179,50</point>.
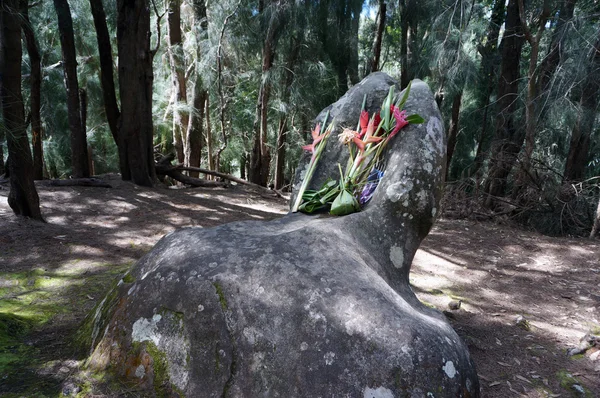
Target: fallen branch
<point>76,182</point>
<point>230,178</point>
<point>175,173</point>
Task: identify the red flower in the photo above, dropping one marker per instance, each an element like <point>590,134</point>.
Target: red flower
<point>364,122</point>
<point>400,117</point>
<point>316,139</point>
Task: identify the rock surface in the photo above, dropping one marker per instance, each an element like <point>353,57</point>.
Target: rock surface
<point>304,306</point>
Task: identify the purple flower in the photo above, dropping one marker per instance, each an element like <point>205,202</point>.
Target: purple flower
<point>370,186</point>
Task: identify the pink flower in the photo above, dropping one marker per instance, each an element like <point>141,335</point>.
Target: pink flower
<point>400,117</point>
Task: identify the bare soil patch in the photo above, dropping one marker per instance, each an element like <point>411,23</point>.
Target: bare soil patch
<point>53,274</point>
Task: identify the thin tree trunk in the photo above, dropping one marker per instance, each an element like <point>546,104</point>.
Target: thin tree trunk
<point>177,61</point>
<point>79,157</point>
<point>35,94</point>
<point>488,79</point>
<point>453,131</point>
<point>508,138</point>
<point>195,130</point>
<point>374,67</point>
<point>261,156</point>
<point>222,101</point>
<point>209,141</point>
<point>280,160</point>
<point>107,79</point>
<point>135,88</point>
<point>582,132</point>
<point>532,85</point>
<point>83,105</point>
<point>23,197</point>
<point>596,227</point>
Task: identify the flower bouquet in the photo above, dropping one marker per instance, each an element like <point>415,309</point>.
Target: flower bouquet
<point>362,174</point>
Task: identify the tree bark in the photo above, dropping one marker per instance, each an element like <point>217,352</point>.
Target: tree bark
<point>23,197</point>
<point>508,138</point>
<point>195,130</point>
<point>35,92</point>
<point>79,157</point>
<point>453,131</point>
<point>177,61</point>
<point>107,79</point>
<point>577,157</point>
<point>136,77</point>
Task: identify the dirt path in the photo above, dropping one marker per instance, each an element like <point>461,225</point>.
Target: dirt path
<point>52,275</point>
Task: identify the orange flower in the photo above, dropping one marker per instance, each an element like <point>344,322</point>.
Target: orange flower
<point>316,139</point>
<point>368,136</point>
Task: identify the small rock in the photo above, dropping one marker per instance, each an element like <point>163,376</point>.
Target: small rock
<point>454,305</point>
<point>578,389</point>
<point>595,356</point>
<point>70,389</point>
<point>522,323</point>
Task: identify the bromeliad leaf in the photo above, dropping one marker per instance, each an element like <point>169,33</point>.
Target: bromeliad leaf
<point>344,204</point>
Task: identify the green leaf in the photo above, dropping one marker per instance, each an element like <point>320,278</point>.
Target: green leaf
<point>415,119</point>
<point>400,104</point>
<point>345,203</point>
<point>385,109</point>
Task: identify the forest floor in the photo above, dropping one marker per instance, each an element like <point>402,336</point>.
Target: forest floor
<point>53,274</point>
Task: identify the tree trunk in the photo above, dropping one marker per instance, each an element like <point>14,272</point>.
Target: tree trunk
<point>135,88</point>
<point>508,138</point>
<point>355,11</point>
<point>261,156</point>
<point>195,130</point>
<point>79,157</point>
<point>23,197</point>
<point>107,79</point>
<point>177,61</point>
<point>488,79</point>
<point>453,131</point>
<point>35,96</point>
<point>555,51</point>
<point>532,85</point>
<point>404,22</point>
<point>222,100</point>
<point>582,131</point>
<point>374,67</point>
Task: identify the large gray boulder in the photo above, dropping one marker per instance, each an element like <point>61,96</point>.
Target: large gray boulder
<point>304,306</point>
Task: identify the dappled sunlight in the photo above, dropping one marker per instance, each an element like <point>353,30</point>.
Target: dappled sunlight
<point>504,275</point>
